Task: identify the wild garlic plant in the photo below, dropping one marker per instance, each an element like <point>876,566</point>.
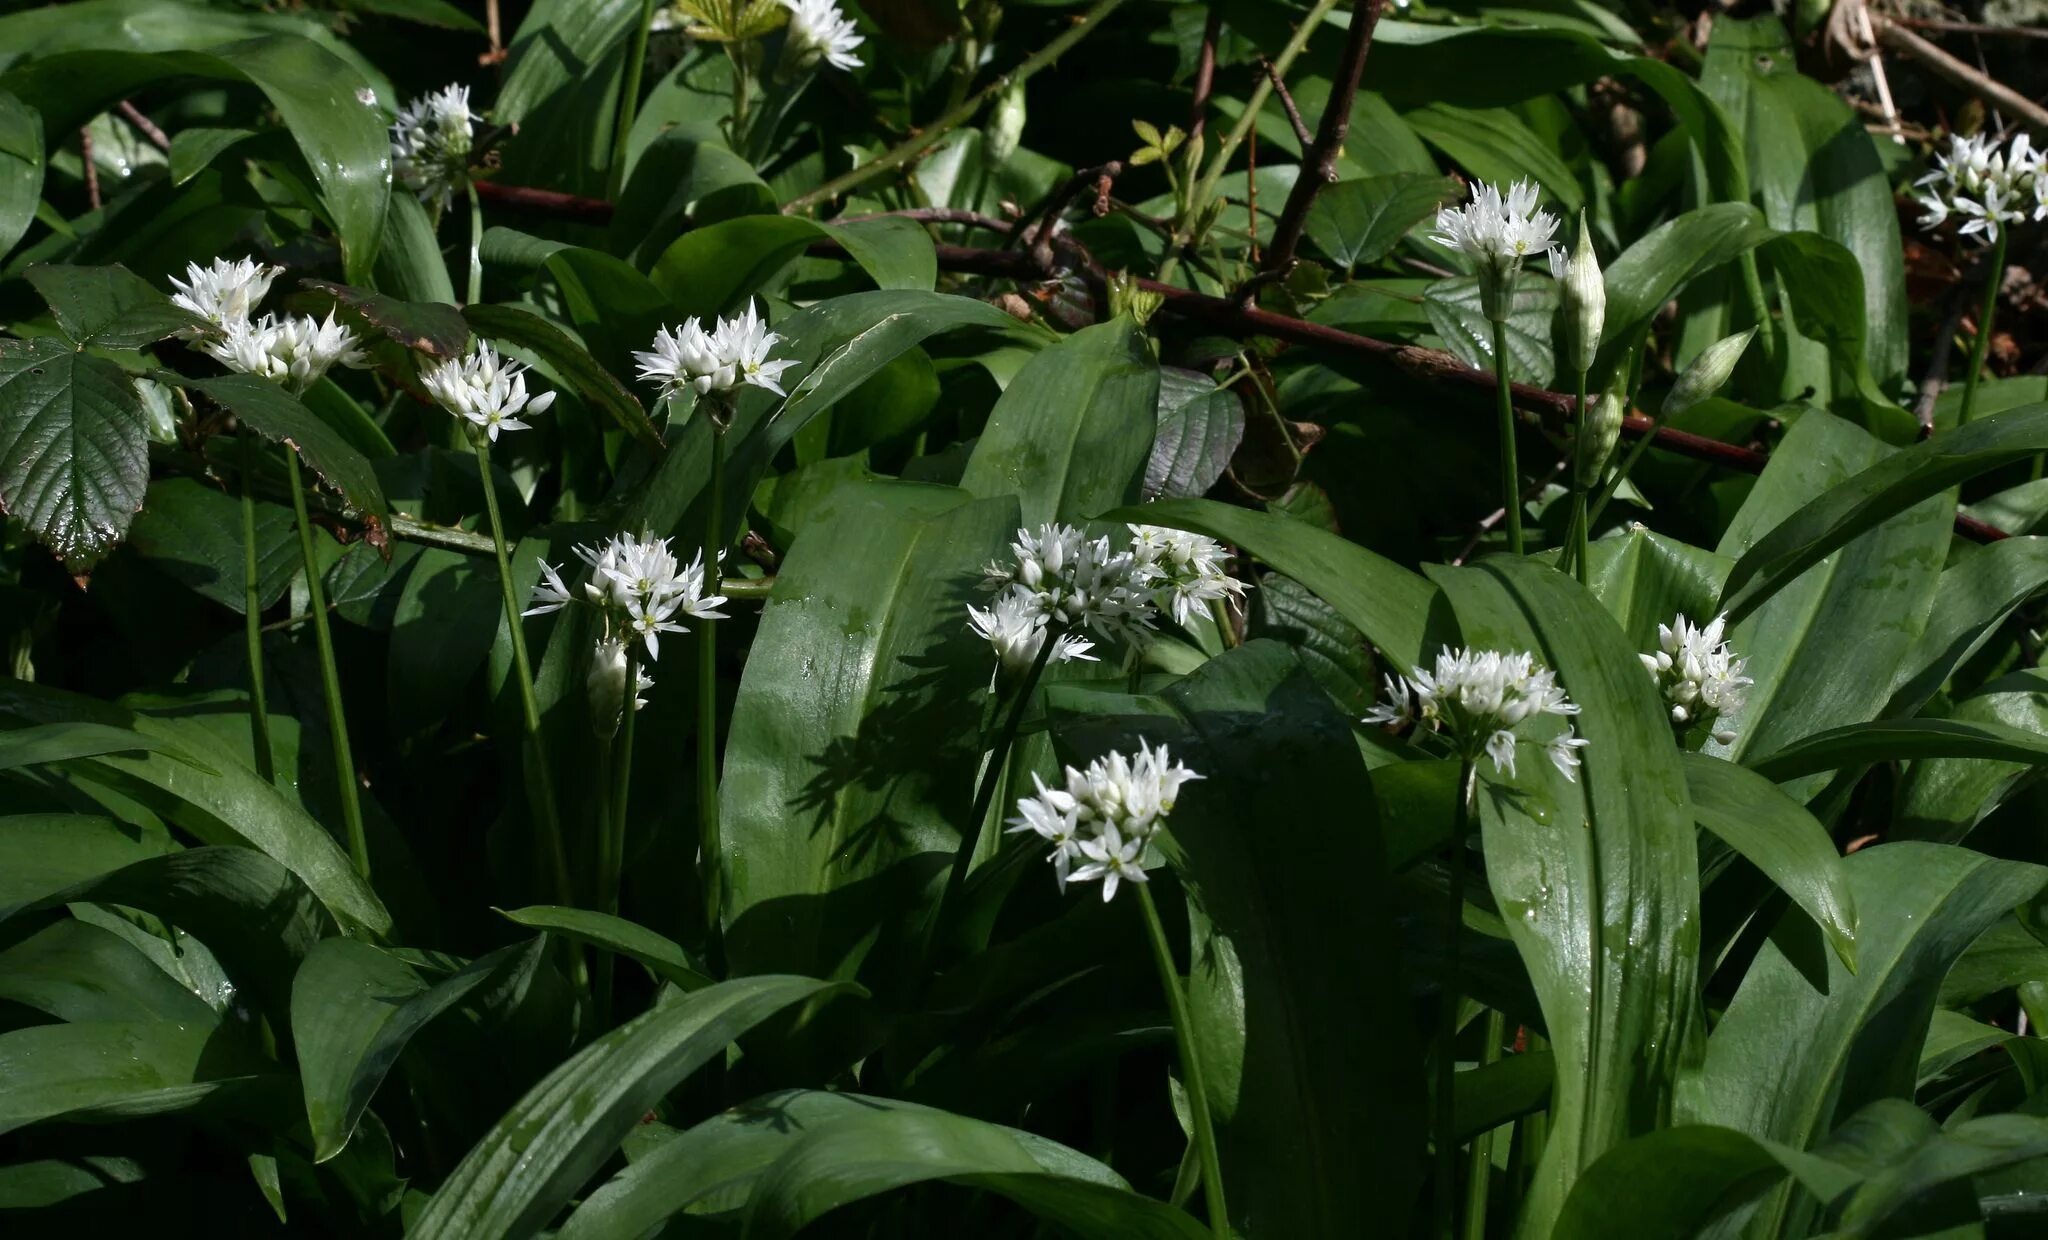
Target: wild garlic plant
<point>433,140</point>
<point>1699,675</point>
<point>1582,314</point>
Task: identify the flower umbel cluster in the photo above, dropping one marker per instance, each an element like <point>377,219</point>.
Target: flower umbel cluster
<point>1498,231</point>
<point>1190,568</point>
<point>1477,698</point>
<point>294,351</point>
<point>227,292</point>
<point>819,31</point>
<point>733,353</point>
<point>1988,185</point>
<point>485,390</point>
<point>1015,628</point>
<point>1059,580</point>
<point>430,144</point>
<point>1104,816</point>
<point>1699,674</point>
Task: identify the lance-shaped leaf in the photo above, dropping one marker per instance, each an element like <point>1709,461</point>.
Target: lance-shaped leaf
<point>1777,835</point>
<point>278,416</point>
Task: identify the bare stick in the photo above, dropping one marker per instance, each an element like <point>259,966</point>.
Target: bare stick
<point>1319,159</point>
<point>92,171</point>
<point>148,127</point>
<point>1205,74</point>
<point>1957,73</point>
<point>1287,104</point>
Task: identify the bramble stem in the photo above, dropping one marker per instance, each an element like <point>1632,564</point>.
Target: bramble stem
<point>1447,1011</point>
<point>538,774</point>
<point>707,696</point>
<point>1510,473</point>
<point>1190,1065</point>
<point>330,679</point>
<point>1994,276</point>
<point>252,615</point>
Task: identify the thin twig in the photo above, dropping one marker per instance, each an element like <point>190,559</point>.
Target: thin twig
<point>1319,158</point>
<point>1287,105</point>
<point>545,202</point>
<point>148,127</point>
<point>1936,376</point>
<point>1949,27</point>
<point>912,148</point>
<point>1205,74</point>
<point>932,215</point>
<point>495,54</point>
<point>92,171</point>
<point>1899,39</point>
<point>1046,221</point>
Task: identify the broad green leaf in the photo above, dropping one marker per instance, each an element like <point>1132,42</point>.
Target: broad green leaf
<point>1883,489</point>
<point>433,328</point>
<point>317,94</point>
<point>1645,579</point>
<point>1072,433</point>
<point>714,269</point>
<point>858,1156</point>
<point>1454,311</point>
<point>74,447</point>
<point>409,263</point>
<point>1335,653</point>
<point>1596,880</point>
<point>1386,602</point>
<point>354,1007</point>
<point>682,178</point>
<point>441,632</point>
<point>60,742</point>
<point>1822,280</point>
<point>1357,223</point>
<point>1681,1180</point>
<point>614,308</point>
<point>1943,799</point>
<point>278,416</point>
<point>558,349</point>
<point>1953,1038</point>
<point>548,1146</point>
<point>857,712</point>
<point>21,169</point>
<point>194,150</point>
<point>110,307</point>
<point>1292,944</point>
<point>1901,740</point>
<point>1497,146</point>
<point>1642,278</point>
<point>1805,1041</point>
<point>79,972</point>
<point>663,956</point>
<point>1776,834</point>
<point>1967,1150</point>
<point>223,802</point>
<point>192,533</point>
<point>107,1070</point>
<point>1976,594</point>
<point>42,854</point>
<point>2003,957</point>
<point>1826,640</point>
<point>1496,1093</point>
<point>1200,426</point>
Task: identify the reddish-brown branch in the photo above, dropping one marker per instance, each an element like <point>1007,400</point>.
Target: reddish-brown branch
<point>149,128</point>
<point>1319,158</point>
<point>545,202</point>
<point>1287,105</point>
<point>1205,73</point>
<point>1553,408</point>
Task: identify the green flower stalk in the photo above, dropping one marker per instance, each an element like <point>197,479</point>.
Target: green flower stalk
<point>1582,306</point>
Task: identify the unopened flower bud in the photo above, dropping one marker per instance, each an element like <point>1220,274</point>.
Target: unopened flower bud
<point>1126,297</point>
<point>1582,299</point>
<point>1707,373</point>
<point>1006,125</point>
<point>1603,431</point>
<point>610,667</point>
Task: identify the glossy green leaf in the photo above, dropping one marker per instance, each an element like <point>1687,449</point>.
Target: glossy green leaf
<point>1943,799</point>
<point>859,705</point>
<point>1776,834</point>
<point>193,533</point>
<point>1968,1149</point>
<point>1805,1041</point>
<point>2004,957</point>
<point>1682,1180</point>
<point>107,1070</point>
<point>856,1157</point>
<point>1977,592</point>
<point>78,972</point>
<point>556,347</point>
<point>1650,272</point>
<point>432,328</point>
<point>664,957</point>
<point>21,169</point>
<point>194,150</point>
<point>354,1008</point>
<point>714,269</point>
<point>73,447</point>
<point>446,616</point>
<point>111,307</point>
<point>1072,433</point>
<point>222,802</point>
<point>1900,740</point>
<point>1645,579</point>
<point>278,416</point>
<point>1498,146</point>
<point>41,854</point>
<point>1386,602</point>
<point>515,1179</point>
<point>1357,223</point>
<point>1596,880</point>
<point>60,742</point>
<point>1454,311</point>
<point>1294,943</point>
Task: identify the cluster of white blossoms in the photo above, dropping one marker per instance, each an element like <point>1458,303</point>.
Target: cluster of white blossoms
<point>1988,184</point>
<point>293,350</point>
<point>1499,232</point>
<point>638,588</point>
<point>430,144</point>
<point>1699,674</point>
<point>734,352</point>
<point>485,390</point>
<point>1477,698</point>
<point>819,31</point>
<point>1190,569</point>
<point>1105,816</point>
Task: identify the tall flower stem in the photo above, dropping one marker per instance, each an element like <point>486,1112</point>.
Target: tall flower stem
<point>1447,1011</point>
<point>629,100</point>
<point>992,774</point>
<point>330,680</point>
<point>538,775</point>
<point>1190,1064</point>
<point>1510,472</point>
<point>1994,275</point>
<point>476,249</point>
<point>1578,531</point>
<point>1479,1165</point>
<point>607,884</point>
<point>252,616</point>
<point>707,694</point>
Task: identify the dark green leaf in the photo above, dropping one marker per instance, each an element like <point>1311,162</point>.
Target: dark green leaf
<point>73,447</point>
<point>194,150</point>
<point>714,269</point>
<point>1645,579</point>
<point>1645,276</point>
<point>1360,222</point>
<point>432,328</point>
<point>1901,740</point>
<point>79,972</point>
<point>571,360</point>
<point>41,854</point>
<point>1943,799</point>
<point>1682,1180</point>
<point>60,742</point>
<point>1778,836</point>
<point>193,533</point>
<point>1453,308</point>
<point>278,416</point>
<point>114,1070</point>
<point>663,956</point>
<point>1976,595</point>
<point>111,307</point>
<point>21,169</point>
<point>1200,426</point>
